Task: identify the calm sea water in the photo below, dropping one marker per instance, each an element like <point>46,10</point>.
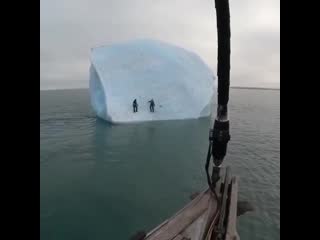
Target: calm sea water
<point>102,181</point>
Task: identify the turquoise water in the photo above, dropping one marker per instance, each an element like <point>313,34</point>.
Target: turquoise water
<point>102,181</point>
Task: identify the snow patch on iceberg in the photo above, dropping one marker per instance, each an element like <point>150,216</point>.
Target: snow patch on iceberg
<point>181,84</point>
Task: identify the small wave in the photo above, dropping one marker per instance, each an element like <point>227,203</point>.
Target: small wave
<point>45,120</point>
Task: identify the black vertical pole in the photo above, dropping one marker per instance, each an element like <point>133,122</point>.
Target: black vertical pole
<point>219,135</point>
<point>223,27</point>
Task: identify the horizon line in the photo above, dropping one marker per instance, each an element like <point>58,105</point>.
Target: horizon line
<point>256,88</point>
<point>232,87</point>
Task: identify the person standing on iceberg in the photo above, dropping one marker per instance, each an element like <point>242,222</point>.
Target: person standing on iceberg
<point>151,105</point>
<point>135,105</point>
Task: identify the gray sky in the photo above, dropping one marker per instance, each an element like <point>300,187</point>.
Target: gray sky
<point>69,28</point>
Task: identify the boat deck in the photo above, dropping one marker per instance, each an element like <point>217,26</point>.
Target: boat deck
<point>196,220</point>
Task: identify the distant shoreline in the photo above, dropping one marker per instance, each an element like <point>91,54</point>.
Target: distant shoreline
<point>248,88</point>
<point>256,88</point>
<point>57,89</point>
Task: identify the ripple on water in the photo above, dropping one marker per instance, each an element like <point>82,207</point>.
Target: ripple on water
<point>113,172</point>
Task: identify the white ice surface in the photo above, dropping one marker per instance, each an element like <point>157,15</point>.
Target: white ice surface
<point>181,84</point>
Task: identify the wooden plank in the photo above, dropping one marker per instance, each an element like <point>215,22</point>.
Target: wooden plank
<point>212,217</point>
<point>181,210</point>
<point>179,237</point>
<point>231,233</point>
<point>182,219</point>
<point>198,217</point>
<point>195,230</point>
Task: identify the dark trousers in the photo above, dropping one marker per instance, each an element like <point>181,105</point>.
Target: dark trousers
<point>151,108</point>
<point>135,108</point>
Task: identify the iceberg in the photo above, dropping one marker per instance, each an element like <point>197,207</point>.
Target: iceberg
<point>180,83</point>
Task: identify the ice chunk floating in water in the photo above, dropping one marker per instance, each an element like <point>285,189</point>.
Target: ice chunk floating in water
<point>181,84</point>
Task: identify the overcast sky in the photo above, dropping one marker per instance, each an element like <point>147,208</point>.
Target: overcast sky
<point>70,28</point>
